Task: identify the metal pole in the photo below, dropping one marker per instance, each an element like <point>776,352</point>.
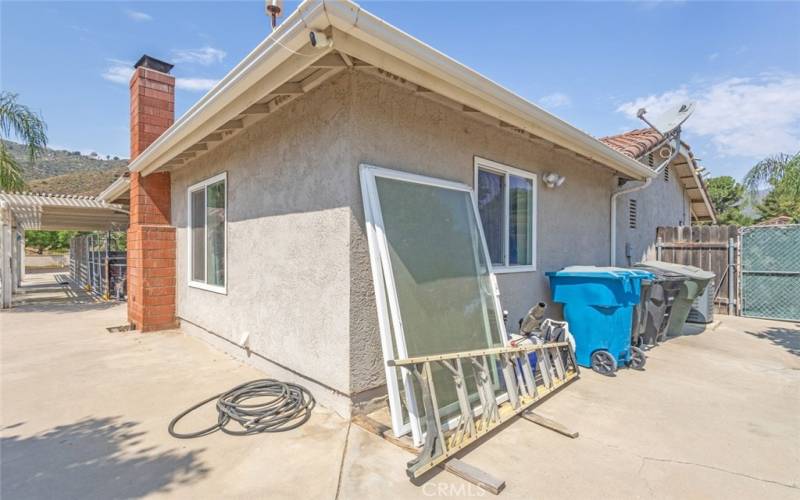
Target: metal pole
<point>658,248</point>
<point>107,294</point>
<point>731,274</point>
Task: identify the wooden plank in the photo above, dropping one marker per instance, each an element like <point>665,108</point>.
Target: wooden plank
<point>549,424</point>
<point>475,476</point>
<point>383,431</point>
<point>232,125</point>
<point>290,88</point>
<point>259,108</point>
<point>330,60</point>
<point>454,466</point>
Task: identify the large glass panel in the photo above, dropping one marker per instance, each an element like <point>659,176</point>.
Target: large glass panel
<point>215,234</point>
<point>198,236</point>
<point>491,190</point>
<point>520,221</point>
<point>442,281</point>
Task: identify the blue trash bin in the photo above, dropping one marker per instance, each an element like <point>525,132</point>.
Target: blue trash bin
<point>598,305</point>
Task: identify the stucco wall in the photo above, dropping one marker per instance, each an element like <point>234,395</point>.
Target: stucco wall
<point>395,128</point>
<point>662,203</point>
<point>287,239</point>
<point>298,264</point>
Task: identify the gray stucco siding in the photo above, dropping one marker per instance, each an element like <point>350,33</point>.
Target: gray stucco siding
<point>287,239</point>
<point>662,203</point>
<point>394,128</point>
<point>299,278</point>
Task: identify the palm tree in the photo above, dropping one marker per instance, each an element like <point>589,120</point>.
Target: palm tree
<point>771,171</point>
<point>19,122</point>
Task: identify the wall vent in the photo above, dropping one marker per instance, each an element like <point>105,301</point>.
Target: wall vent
<point>666,173</point>
<point>632,214</point>
<point>650,160</point>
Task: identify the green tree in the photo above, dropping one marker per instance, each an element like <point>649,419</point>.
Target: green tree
<point>727,196</point>
<point>18,122</point>
<point>43,241</point>
<point>782,174</point>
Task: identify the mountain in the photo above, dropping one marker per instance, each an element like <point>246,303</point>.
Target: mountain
<point>67,172</point>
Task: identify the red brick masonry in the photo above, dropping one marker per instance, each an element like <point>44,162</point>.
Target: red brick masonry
<point>151,238</point>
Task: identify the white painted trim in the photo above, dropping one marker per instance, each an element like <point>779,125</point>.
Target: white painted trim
<point>190,276</point>
<point>384,284</point>
<point>363,32</point>
<point>507,170</point>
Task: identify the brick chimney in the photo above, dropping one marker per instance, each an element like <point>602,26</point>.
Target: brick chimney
<point>151,237</point>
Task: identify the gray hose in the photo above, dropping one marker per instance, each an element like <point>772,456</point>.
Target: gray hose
<point>282,407</point>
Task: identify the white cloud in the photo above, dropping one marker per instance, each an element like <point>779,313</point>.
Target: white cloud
<point>195,84</point>
<point>713,56</point>
<point>118,71</point>
<point>205,56</point>
<point>555,100</point>
<point>139,17</point>
<point>753,117</point>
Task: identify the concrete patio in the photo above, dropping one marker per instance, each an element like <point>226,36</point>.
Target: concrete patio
<point>716,414</point>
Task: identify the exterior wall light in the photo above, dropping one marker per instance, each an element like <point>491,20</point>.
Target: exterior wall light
<point>553,180</point>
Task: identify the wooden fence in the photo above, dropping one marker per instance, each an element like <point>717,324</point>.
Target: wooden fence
<point>712,248</point>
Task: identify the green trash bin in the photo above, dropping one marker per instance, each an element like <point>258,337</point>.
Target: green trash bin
<point>693,287</point>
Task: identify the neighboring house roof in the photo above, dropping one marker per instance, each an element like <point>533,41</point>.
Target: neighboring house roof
<point>776,221</point>
<point>50,211</point>
<point>640,142</point>
<point>284,66</point>
<point>634,143</point>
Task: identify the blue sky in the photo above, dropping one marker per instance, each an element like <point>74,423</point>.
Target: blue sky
<point>591,63</point>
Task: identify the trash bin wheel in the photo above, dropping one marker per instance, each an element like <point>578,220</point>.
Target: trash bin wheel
<point>638,358</point>
<point>604,363</point>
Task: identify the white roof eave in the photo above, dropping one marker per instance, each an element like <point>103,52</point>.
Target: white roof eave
<point>347,17</point>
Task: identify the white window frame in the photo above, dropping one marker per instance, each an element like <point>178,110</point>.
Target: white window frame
<point>505,170</point>
<point>197,187</point>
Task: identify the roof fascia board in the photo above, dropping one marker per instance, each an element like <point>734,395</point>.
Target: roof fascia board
<point>700,185</point>
<point>116,189</point>
<point>204,116</point>
<point>349,18</point>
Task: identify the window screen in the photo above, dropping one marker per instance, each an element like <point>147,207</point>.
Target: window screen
<point>442,281</point>
<point>491,196</point>
<point>198,236</point>
<point>207,232</point>
<point>507,207</point>
<point>520,215</point>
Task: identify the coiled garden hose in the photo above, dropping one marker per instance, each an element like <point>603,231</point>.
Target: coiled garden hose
<point>282,407</point>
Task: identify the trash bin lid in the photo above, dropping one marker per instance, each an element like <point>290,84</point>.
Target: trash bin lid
<point>601,272</point>
<point>688,271</point>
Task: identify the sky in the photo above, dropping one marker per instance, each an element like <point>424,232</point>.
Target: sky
<point>591,63</point>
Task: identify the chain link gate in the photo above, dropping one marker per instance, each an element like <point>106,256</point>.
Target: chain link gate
<point>770,257</point>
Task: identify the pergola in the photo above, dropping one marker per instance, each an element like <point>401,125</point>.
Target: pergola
<point>49,212</point>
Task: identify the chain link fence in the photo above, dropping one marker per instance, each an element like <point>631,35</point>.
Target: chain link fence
<point>770,257</point>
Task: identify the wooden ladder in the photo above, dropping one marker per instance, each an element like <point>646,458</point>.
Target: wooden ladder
<point>523,386</point>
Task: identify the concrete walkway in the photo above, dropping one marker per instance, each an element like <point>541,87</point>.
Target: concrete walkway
<point>85,412</point>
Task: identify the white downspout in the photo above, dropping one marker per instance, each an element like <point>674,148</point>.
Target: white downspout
<point>626,190</point>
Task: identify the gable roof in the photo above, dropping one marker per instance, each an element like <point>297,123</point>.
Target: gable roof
<point>285,65</point>
<point>639,142</point>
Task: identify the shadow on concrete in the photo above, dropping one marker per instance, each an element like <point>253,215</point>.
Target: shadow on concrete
<point>787,338</point>
<point>92,458</point>
<point>55,292</point>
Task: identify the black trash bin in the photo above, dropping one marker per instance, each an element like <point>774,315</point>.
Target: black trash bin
<point>656,306</point>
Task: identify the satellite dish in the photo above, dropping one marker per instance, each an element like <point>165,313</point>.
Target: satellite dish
<point>670,120</point>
